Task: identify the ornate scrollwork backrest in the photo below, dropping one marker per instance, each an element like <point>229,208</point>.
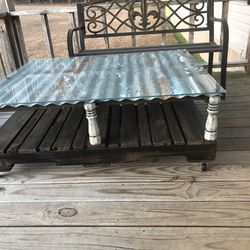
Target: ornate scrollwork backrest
<point>116,17</point>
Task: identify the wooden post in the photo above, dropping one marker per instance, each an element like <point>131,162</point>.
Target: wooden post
<point>247,68</point>
<point>14,34</point>
<point>5,50</point>
<point>48,39</point>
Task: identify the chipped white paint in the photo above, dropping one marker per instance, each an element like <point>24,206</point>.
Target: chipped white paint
<point>212,120</point>
<point>93,128</point>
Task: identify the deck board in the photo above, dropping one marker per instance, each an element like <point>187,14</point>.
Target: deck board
<point>140,203</point>
<point>132,238</point>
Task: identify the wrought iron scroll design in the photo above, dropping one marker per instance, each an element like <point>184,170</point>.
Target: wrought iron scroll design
<point>143,16</point>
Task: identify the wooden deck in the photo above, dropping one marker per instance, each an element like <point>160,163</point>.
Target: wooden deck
<point>152,203</point>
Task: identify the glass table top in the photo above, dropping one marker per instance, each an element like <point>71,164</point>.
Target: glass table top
<point>117,77</point>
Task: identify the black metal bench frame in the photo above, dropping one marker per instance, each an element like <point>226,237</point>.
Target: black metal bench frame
<point>93,23</point>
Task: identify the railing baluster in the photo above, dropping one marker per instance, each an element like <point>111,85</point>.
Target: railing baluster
<point>164,27</point>
<point>48,39</point>
<point>104,20</point>
<point>72,20</point>
<point>133,36</point>
<point>191,20</point>
<point>6,52</point>
<point>2,66</point>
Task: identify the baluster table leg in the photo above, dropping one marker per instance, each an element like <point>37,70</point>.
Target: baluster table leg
<point>93,128</point>
<point>212,120</point>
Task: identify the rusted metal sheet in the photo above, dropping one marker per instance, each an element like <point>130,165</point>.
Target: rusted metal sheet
<point>118,77</point>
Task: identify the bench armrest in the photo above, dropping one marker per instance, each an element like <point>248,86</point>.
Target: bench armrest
<point>225,38</point>
<point>225,34</point>
<point>70,40</point>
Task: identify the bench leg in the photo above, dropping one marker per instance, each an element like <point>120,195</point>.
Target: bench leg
<point>93,128</point>
<point>212,120</point>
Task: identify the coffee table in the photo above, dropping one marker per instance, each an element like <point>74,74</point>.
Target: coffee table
<point>114,79</point>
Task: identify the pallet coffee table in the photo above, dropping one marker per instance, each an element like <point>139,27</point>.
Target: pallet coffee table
<point>144,106</point>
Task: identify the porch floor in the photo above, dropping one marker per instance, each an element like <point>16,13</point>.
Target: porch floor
<point>149,203</point>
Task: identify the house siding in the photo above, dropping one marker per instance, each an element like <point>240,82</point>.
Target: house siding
<point>239,26</point>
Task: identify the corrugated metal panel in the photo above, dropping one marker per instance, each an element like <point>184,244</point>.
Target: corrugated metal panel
<point>133,76</point>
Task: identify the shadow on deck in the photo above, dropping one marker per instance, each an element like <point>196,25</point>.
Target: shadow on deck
<point>154,203</point>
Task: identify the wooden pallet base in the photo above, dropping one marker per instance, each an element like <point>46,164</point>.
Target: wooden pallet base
<point>59,135</point>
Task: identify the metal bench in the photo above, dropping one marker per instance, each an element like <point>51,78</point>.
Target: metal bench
<point>111,19</point>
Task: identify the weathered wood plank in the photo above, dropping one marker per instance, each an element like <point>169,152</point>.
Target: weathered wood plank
<point>25,131</point>
<point>234,122</point>
<point>107,238</point>
<point>5,50</point>
<point>129,127</point>
<point>173,124</point>
<point>169,191</point>
<point>72,20</point>
<point>114,131</point>
<point>190,121</point>
<point>81,134</point>
<point>9,131</point>
<point>144,130</point>
<point>232,157</point>
<point>158,126</point>
<point>49,139</point>
<point>234,144</point>
<point>37,134</point>
<point>234,132</point>
<point>203,214</point>
<point>47,34</point>
<point>69,129</point>
<point>102,112</point>
<point>141,171</point>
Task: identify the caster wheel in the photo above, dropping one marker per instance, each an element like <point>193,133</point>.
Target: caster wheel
<point>204,166</point>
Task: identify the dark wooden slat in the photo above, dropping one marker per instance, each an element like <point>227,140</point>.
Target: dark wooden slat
<point>144,129</point>
<point>129,127</point>
<point>12,127</point>
<point>190,120</point>
<point>81,134</point>
<point>173,125</point>
<point>158,126</point>
<point>68,132</point>
<point>54,130</point>
<point>234,122</point>
<point>114,127</point>
<point>102,117</point>
<point>234,144</point>
<point>25,131</point>
<point>234,132</point>
<point>37,134</point>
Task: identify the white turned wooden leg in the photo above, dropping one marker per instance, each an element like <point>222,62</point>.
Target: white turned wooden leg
<point>212,120</point>
<point>93,128</point>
